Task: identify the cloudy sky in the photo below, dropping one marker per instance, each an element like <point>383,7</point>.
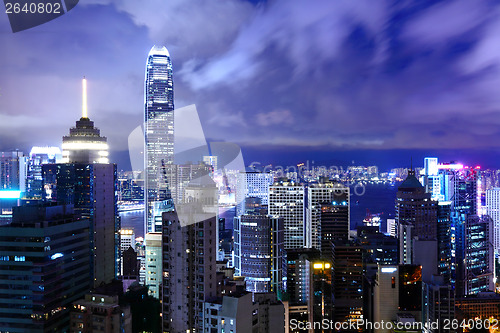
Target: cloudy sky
<point>290,80</point>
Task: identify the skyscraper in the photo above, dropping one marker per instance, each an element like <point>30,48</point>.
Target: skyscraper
<point>39,156</point>
<point>153,245</point>
<point>258,251</point>
<point>252,183</point>
<point>317,194</point>
<point>13,171</point>
<point>85,143</point>
<point>158,130</point>
<point>479,257</point>
<point>89,183</point>
<point>414,206</point>
<point>45,254</point>
<point>493,210</point>
<point>189,271</point>
<point>286,200</point>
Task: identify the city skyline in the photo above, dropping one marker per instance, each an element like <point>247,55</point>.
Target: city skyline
<point>347,64</point>
<point>330,166</point>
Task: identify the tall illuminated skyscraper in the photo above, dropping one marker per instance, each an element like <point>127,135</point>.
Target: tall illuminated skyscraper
<point>85,143</point>
<point>158,129</point>
<point>87,181</point>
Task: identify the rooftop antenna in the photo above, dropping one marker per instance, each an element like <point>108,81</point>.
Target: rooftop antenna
<point>84,98</point>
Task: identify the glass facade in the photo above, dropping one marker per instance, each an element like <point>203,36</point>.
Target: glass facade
<point>158,129</point>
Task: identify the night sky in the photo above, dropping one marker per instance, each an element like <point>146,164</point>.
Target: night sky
<point>374,82</point>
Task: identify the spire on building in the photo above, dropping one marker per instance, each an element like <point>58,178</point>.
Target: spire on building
<point>84,98</point>
<point>85,143</point>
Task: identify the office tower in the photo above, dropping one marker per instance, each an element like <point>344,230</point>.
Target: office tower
<point>45,251</point>
<point>493,210</point>
<point>321,290</point>
<point>334,224</point>
<point>286,200</point>
<point>432,179</point>
<point>245,312</point>
<point>154,268</point>
<point>347,280</point>
<point>479,256</point>
<point>158,129</point>
<point>91,189</point>
<point>252,183</point>
<point>446,244</point>
<point>258,252</point>
<point>90,184</point>
<point>391,227</point>
<point>13,167</point>
<point>460,186</point>
<point>415,207</point>
<point>100,313</point>
<point>299,304</point>
<point>397,294</point>
<point>189,269</point>
<point>317,194</point>
<point>37,157</point>
<point>127,239</point>
<point>85,143</point>
<point>438,305</point>
<point>405,236</point>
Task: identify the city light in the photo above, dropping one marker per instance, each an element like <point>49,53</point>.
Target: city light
<point>9,194</point>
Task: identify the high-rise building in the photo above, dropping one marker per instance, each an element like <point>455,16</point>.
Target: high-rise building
<point>89,183</point>
<point>438,306</point>
<point>39,156</point>
<point>431,178</point>
<point>479,257</point>
<point>347,280</point>
<point>189,269</point>
<point>397,294</point>
<point>317,194</point>
<point>252,183</point>
<point>154,268</point>
<point>415,207</point>
<point>127,239</point>
<point>13,168</point>
<point>391,227</point>
<point>45,251</point>
<point>446,244</point>
<point>286,200</point>
<point>309,286</point>
<point>334,224</point>
<point>258,252</point>
<point>91,189</point>
<point>85,143</point>
<point>493,210</point>
<point>158,129</point>
<point>459,185</point>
